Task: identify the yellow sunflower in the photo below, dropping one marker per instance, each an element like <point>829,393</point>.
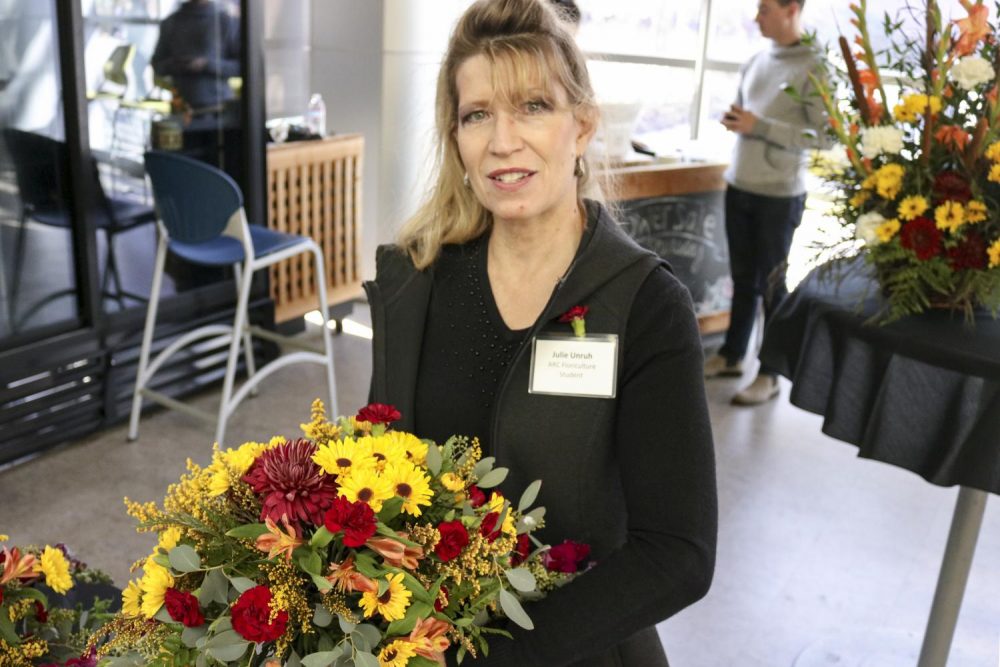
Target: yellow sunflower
<point>53,564</point>
<point>912,207</point>
<point>416,449</point>
<point>949,216</point>
<point>341,457</point>
<point>132,600</point>
<point>387,450</point>
<point>411,484</point>
<point>889,180</point>
<point>154,584</point>
<point>391,604</point>
<point>994,252</point>
<point>366,485</point>
<point>397,654</point>
<point>452,482</point>
<point>975,211</point>
<point>169,539</point>
<point>887,230</point>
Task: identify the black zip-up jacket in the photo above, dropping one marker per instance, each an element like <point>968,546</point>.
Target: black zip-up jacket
<point>633,476</point>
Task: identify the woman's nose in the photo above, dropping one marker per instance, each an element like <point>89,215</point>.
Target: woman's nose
<point>506,135</point>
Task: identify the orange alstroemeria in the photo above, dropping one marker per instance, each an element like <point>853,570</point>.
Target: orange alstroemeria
<point>956,137</point>
<point>16,566</point>
<point>276,542</point>
<point>395,552</point>
<point>972,29</point>
<point>346,579</point>
<point>428,636</point>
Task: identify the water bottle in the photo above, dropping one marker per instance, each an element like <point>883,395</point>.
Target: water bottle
<point>316,115</point>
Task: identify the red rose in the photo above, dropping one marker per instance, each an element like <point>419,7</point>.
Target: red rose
<point>521,550</point>
<point>378,413</point>
<point>454,538</point>
<point>566,557</point>
<point>357,520</point>
<point>251,616</point>
<point>476,496</point>
<point>574,313</point>
<point>969,254</point>
<point>183,608</point>
<point>40,612</point>
<point>951,185</point>
<point>922,237</point>
<point>488,528</point>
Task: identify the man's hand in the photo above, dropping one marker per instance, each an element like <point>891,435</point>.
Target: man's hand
<point>739,120</point>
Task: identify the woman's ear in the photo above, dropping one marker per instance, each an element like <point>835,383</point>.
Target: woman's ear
<point>587,117</point>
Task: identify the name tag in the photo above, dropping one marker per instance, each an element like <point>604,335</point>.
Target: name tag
<point>566,365</point>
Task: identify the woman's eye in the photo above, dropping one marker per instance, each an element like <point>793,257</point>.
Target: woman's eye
<point>474,117</point>
<point>536,106</point>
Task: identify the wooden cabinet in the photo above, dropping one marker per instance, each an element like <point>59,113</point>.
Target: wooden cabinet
<point>314,189</point>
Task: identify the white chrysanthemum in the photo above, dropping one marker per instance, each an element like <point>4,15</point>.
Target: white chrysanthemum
<point>882,139</point>
<point>971,71</point>
<point>866,227</point>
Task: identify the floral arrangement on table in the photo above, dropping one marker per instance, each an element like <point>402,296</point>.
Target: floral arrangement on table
<point>919,190</point>
<point>356,545</point>
<point>35,630</point>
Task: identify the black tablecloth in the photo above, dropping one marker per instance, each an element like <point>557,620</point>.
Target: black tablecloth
<point>922,393</point>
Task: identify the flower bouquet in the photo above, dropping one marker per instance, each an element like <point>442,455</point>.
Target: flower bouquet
<point>917,196</point>
<point>356,545</point>
<point>35,630</point>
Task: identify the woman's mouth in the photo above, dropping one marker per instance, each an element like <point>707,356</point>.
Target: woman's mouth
<point>510,177</point>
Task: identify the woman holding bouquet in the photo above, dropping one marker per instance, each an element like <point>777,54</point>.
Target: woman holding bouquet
<point>515,309</point>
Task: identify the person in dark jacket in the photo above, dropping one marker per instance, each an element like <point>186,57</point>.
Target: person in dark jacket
<point>469,310</point>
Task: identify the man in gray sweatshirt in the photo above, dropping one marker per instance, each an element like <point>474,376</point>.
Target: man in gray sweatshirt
<point>766,192</point>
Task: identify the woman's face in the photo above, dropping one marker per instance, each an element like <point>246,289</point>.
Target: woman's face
<point>520,160</point>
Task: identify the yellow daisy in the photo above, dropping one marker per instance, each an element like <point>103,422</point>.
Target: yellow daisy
<point>912,207</point>
<point>132,600</point>
<point>154,584</point>
<point>169,539</point>
<point>904,114</point>
<point>869,182</point>
<point>889,181</point>
<point>411,484</point>
<point>975,211</point>
<point>387,449</point>
<point>392,603</point>
<point>452,482</point>
<point>994,175</point>
<point>341,457</point>
<point>53,564</point>
<point>994,252</point>
<point>366,485</point>
<point>887,230</point>
<point>397,654</point>
<point>993,151</point>
<point>949,216</point>
<point>496,505</point>
<point>859,198</point>
<point>416,449</point>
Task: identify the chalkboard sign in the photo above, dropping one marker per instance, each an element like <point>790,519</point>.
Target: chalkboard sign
<point>688,231</point>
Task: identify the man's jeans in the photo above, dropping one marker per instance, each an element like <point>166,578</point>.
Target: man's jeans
<point>759,230</point>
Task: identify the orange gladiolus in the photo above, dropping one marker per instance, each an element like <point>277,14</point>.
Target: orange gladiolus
<point>949,135</point>
<point>972,29</point>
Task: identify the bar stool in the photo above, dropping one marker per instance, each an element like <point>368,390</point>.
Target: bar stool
<point>202,220</point>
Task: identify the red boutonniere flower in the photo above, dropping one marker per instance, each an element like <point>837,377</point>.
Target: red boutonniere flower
<point>378,413</point>
<point>575,317</point>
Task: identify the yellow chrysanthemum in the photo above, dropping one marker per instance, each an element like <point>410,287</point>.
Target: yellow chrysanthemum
<point>949,216</point>
<point>912,207</point>
<point>496,505</point>
<point>53,564</point>
<point>452,482</point>
<point>994,173</point>
<point>236,461</point>
<point>411,484</point>
<point>975,211</point>
<point>859,198</point>
<point>994,252</point>
<point>397,654</point>
<point>869,182</point>
<point>153,585</point>
<point>391,604</point>
<point>341,457</point>
<point>904,114</point>
<point>132,600</point>
<point>416,449</point>
<point>887,230</point>
<point>889,180</point>
<point>387,450</point>
<point>366,485</point>
<point>169,538</point>
<point>993,151</point>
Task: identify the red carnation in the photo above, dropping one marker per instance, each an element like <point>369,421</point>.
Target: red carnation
<point>951,185</point>
<point>574,313</point>
<point>488,528</point>
<point>969,254</point>
<point>40,614</point>
<point>357,520</point>
<point>378,413</point>
<point>521,550</point>
<point>922,237</point>
<point>566,557</point>
<point>183,608</point>
<point>291,484</point>
<point>476,496</point>
<point>251,616</point>
<point>454,538</point>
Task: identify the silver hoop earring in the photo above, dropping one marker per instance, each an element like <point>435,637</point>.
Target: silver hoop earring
<point>465,180</point>
<point>579,167</point>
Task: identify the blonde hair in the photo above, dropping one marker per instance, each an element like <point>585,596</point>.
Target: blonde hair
<point>526,43</point>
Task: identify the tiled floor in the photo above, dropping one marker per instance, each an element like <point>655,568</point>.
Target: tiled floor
<point>824,558</point>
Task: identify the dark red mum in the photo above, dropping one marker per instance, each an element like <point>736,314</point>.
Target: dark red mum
<point>922,237</point>
<point>357,520</point>
<point>378,413</point>
<point>183,608</point>
<point>454,538</point>
<point>290,484</point>
<point>251,616</point>
<point>566,557</point>
<point>951,185</point>
<point>970,253</point>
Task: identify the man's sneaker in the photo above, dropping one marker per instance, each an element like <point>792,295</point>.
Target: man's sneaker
<point>717,366</point>
<point>761,390</point>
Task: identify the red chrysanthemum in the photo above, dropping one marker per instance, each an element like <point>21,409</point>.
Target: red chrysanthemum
<point>357,520</point>
<point>251,615</point>
<point>950,185</point>
<point>969,254</point>
<point>566,557</point>
<point>378,413</point>
<point>183,608</point>
<point>290,484</point>
<point>922,237</point>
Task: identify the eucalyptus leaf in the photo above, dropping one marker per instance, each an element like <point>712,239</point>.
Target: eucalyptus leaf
<point>371,634</point>
<point>433,459</point>
<point>512,608</point>
<point>202,660</point>
<point>224,638</point>
<point>365,659</point>
<point>360,642</point>
<point>161,560</point>
<point>463,622</point>
<point>522,579</point>
<point>221,624</point>
<point>483,467</point>
<point>345,626</point>
<point>214,588</point>
<point>228,653</point>
<point>322,659</point>
<point>293,660</point>
<point>250,531</point>
<point>184,558</point>
<point>163,615</point>
<point>529,495</point>
<point>242,584</point>
<point>190,636</point>
<point>322,617</point>
<point>493,478</point>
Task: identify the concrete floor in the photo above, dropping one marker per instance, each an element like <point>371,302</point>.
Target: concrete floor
<point>824,558</point>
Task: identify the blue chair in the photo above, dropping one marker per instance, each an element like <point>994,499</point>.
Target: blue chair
<point>202,221</point>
